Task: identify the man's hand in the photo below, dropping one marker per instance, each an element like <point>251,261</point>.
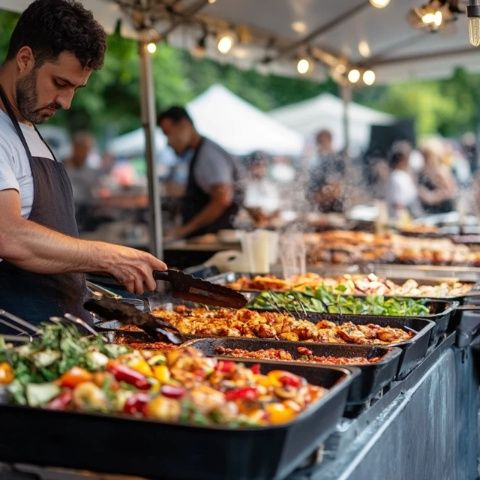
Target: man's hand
<point>130,267</point>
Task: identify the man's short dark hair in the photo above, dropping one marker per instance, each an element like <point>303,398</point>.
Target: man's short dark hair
<point>50,27</point>
<point>175,114</point>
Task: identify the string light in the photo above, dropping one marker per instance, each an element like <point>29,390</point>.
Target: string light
<point>299,27</point>
<point>304,66</point>
<point>364,49</point>
<point>368,77</point>
<point>379,3</point>
<point>225,43</point>
<point>473,14</point>
<point>433,19</point>
<point>151,47</point>
<point>353,75</point>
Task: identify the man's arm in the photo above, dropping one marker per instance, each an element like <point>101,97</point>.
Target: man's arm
<point>221,197</point>
<point>36,248</point>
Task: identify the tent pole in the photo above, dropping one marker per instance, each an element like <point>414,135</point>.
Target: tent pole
<point>346,90</point>
<point>148,121</point>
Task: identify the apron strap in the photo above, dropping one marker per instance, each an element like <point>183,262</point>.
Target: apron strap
<point>15,123</point>
<point>46,144</point>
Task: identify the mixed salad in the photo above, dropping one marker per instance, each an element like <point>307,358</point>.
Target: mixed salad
<point>322,300</point>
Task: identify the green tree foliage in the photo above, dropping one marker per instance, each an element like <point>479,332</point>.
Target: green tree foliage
<point>448,107</point>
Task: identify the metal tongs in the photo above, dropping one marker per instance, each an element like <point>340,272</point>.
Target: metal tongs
<point>189,288</point>
<point>25,329</point>
<point>111,309</point>
<point>193,289</point>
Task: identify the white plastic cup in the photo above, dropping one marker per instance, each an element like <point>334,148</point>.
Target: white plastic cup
<point>293,254</point>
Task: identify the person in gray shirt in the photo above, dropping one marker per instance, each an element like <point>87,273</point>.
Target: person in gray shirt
<point>212,196</point>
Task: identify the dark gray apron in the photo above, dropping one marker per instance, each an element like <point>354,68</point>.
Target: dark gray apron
<point>33,296</point>
<point>195,199</point>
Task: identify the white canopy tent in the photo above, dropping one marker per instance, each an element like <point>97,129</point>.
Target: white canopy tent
<point>239,127</point>
<point>230,121</point>
<point>326,111</point>
<point>132,143</point>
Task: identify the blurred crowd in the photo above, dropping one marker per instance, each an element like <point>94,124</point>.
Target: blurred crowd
<point>437,176</point>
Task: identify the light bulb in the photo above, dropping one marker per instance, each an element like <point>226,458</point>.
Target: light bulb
<point>474,31</point>
<point>211,1</point>
<point>303,66</point>
<point>473,13</point>
<point>299,27</point>
<point>433,19</point>
<point>152,48</point>
<point>364,49</point>
<point>225,43</point>
<point>379,3</point>
<point>353,75</point>
<point>368,77</point>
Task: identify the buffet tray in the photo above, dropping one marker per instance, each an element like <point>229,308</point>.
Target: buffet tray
<point>373,377</point>
<point>443,316</point>
<point>474,292</point>
<point>161,450</point>
<point>413,350</point>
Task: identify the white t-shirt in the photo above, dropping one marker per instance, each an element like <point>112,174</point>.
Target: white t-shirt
<point>213,167</point>
<point>401,189</point>
<point>15,172</point>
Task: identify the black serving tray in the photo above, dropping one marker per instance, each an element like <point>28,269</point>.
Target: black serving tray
<point>373,377</point>
<point>442,314</point>
<point>413,350</point>
<point>161,450</point>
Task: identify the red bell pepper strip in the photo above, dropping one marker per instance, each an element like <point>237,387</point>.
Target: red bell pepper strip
<point>255,368</point>
<point>128,375</point>
<point>172,391</point>
<point>290,379</point>
<point>61,402</point>
<point>244,393</point>
<point>225,366</point>
<point>136,403</point>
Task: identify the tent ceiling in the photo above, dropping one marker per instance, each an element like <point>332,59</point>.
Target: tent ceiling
<point>397,51</point>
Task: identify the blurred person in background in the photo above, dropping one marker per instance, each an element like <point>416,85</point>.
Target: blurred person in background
<point>85,180</point>
<point>262,196</point>
<point>437,186</point>
<point>212,197</point>
<point>327,175</point>
<point>469,147</point>
<point>460,165</point>
<point>402,193</point>
<point>379,173</point>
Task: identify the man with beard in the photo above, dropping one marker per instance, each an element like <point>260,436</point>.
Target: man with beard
<point>53,50</point>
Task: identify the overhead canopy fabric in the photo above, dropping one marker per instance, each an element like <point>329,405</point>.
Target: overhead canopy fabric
<point>228,120</point>
<point>326,111</point>
<point>283,29</point>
